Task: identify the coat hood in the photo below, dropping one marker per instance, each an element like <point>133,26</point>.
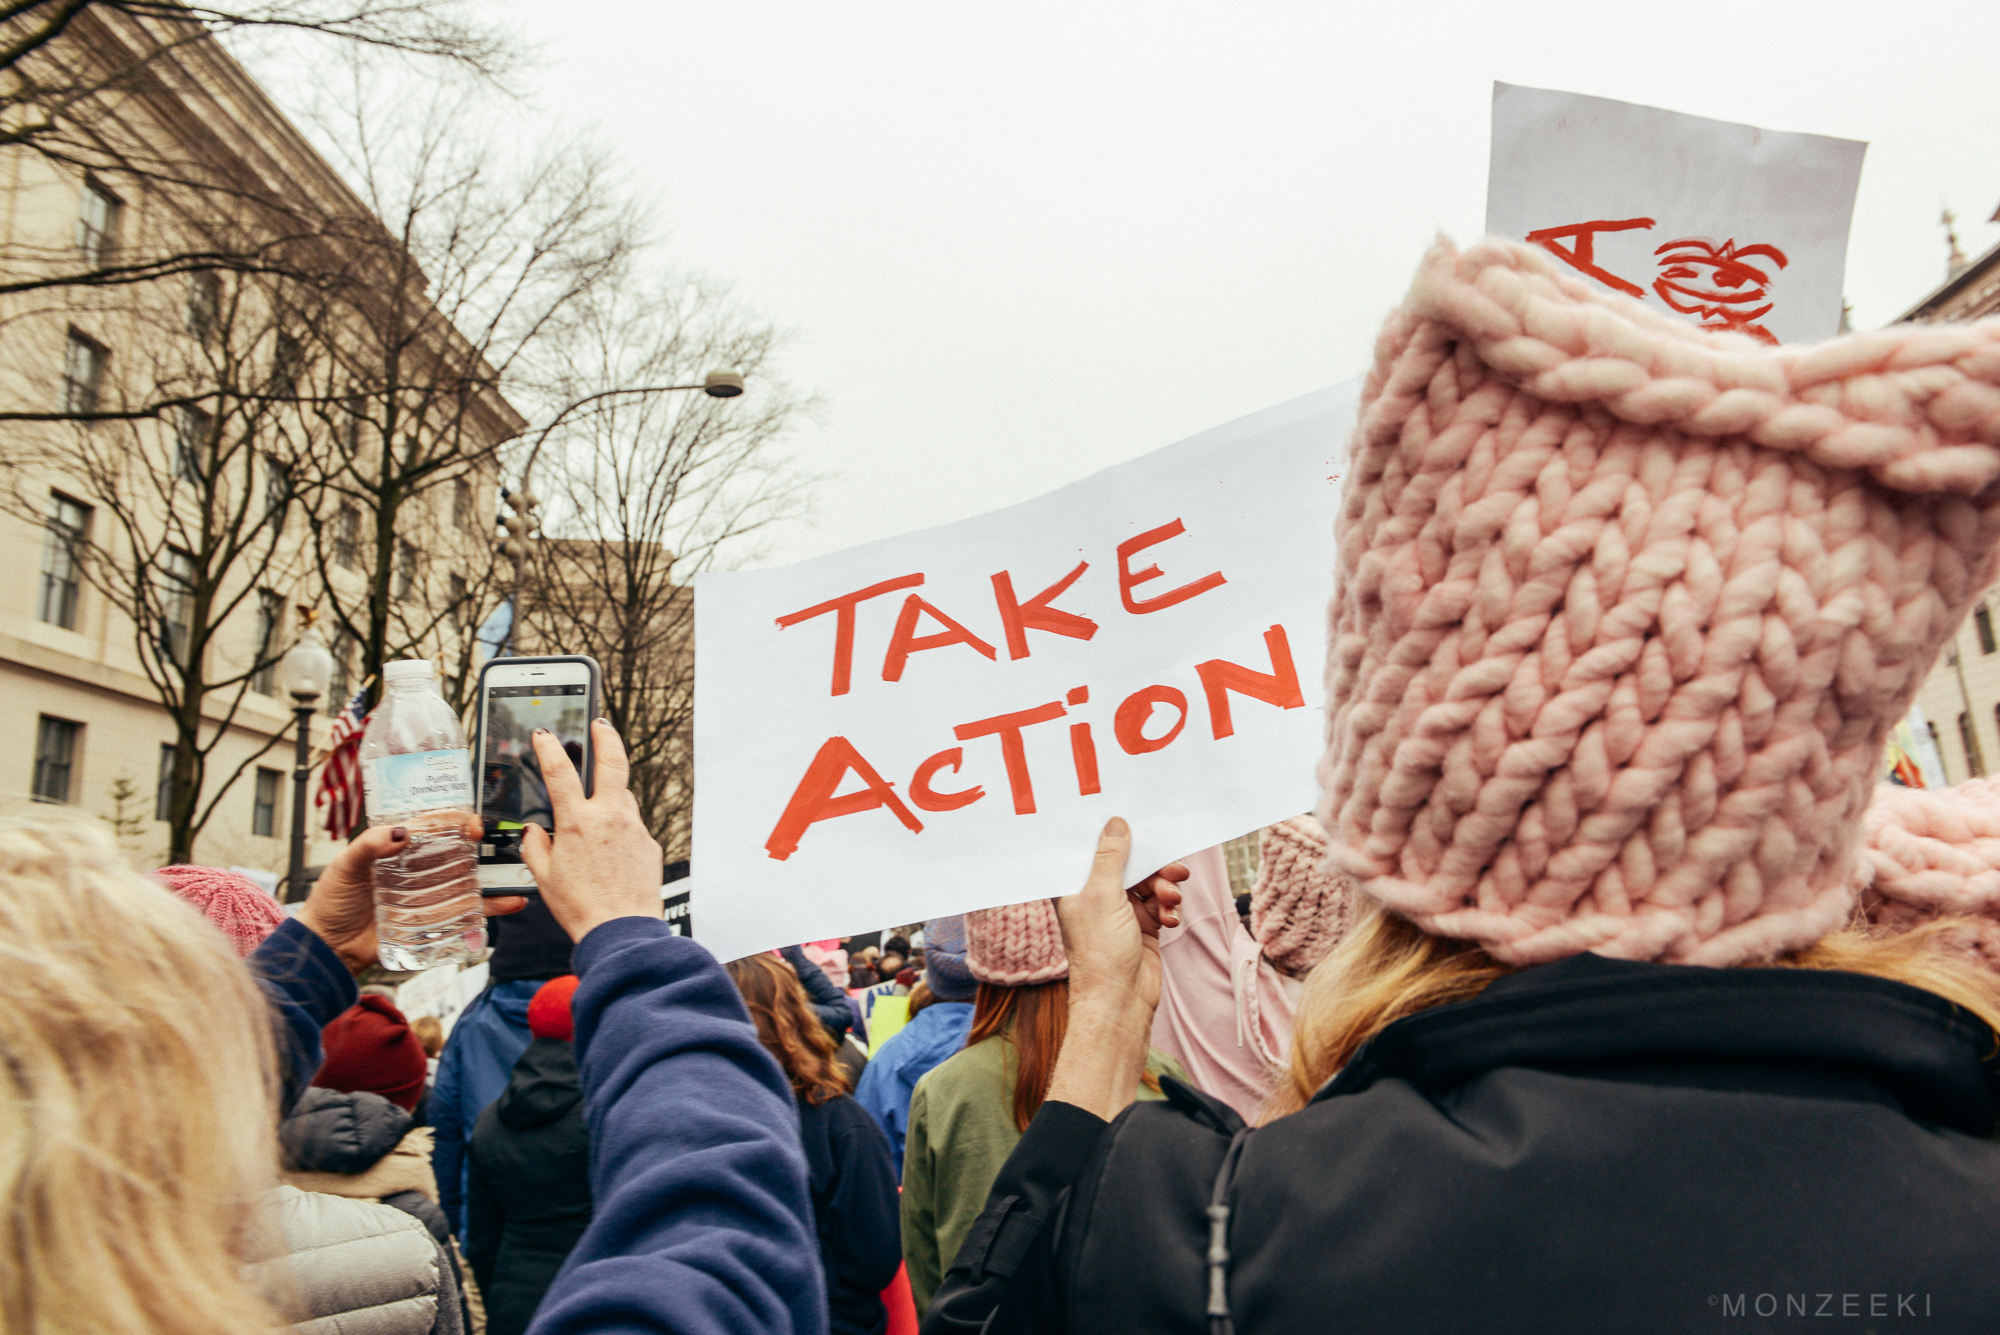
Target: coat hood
<point>333,1132</point>
<point>544,1088</point>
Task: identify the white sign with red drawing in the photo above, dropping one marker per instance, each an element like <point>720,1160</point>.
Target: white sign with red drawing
<point>944,721</point>
<point>1727,225</point>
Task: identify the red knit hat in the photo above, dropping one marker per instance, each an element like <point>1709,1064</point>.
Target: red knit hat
<point>548,1014</point>
<point>370,1047</point>
<point>236,905</point>
<point>1017,945</point>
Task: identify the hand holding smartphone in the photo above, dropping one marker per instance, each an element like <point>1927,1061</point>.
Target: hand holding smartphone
<point>515,696</point>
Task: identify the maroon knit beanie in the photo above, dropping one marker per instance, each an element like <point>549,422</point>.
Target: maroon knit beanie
<point>234,904</point>
<point>370,1047</point>
<point>549,1011</point>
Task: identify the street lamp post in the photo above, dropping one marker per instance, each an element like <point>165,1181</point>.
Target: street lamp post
<point>305,671</point>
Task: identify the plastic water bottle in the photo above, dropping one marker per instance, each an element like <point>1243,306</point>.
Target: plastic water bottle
<point>416,772</point>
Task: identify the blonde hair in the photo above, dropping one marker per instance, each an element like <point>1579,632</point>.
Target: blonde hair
<point>429,1031</point>
<point>1386,969</point>
<point>139,1130</point>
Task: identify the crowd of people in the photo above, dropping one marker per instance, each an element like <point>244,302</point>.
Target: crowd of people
<point>1603,992</point>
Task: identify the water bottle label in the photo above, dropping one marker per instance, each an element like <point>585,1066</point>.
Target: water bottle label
<point>420,781</point>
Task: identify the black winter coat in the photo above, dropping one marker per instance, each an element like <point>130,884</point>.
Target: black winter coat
<point>530,1185</point>
<point>856,1209</point>
<point>331,1132</point>
<point>1592,1146</point>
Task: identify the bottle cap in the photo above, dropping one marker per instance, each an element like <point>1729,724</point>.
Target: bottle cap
<point>406,669</point>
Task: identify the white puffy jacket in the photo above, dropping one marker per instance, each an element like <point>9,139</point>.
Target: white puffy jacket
<point>352,1267</point>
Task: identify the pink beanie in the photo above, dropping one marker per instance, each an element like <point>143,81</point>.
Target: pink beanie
<point>1624,610</point>
<point>1298,910</point>
<point>1935,854</point>
<point>1017,945</point>
<point>238,908</point>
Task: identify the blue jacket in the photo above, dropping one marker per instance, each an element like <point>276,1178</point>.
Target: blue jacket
<point>473,1070</point>
<point>308,987</point>
<point>938,1031</point>
<point>703,1225</point>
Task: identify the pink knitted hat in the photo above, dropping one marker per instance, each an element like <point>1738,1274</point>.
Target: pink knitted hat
<point>1624,610</point>
<point>238,908</point>
<point>1934,854</point>
<point>1298,910</point>
<point>1016,945</point>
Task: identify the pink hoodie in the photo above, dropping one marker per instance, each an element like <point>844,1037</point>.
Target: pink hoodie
<point>1225,1013</point>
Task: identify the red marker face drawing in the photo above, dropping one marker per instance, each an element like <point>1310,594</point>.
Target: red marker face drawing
<point>1718,283</point>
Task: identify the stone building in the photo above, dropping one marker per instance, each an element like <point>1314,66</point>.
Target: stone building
<point>1961,697</point>
<point>84,723</point>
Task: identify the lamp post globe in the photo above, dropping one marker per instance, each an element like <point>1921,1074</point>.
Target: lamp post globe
<point>304,673</point>
<point>306,670</point>
<point>722,384</point>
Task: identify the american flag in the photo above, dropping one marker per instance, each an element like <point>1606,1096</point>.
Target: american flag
<point>340,780</point>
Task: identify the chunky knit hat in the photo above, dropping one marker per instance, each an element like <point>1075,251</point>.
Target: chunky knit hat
<point>236,905</point>
<point>1935,853</point>
<point>944,960</point>
<point>1624,610</point>
<point>1017,945</point>
<point>369,1046</point>
<point>549,1010</point>
<point>1298,910</point>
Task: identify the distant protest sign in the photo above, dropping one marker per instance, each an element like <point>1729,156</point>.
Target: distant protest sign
<point>1729,226</point>
<point>944,721</point>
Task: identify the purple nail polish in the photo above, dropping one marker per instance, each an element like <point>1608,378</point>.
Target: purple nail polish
<point>399,834</point>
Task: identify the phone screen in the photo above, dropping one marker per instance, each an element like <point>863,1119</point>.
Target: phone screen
<point>512,793</point>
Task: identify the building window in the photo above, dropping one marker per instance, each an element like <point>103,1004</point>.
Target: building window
<point>409,575</point>
<point>264,811</point>
<point>277,489</point>
<point>1975,764</point>
<point>55,758</point>
<point>458,602</point>
<point>353,407</point>
<point>192,431</point>
<point>204,304</point>
<point>347,538</point>
<point>163,791</point>
<point>287,358</point>
<point>176,605</point>
<point>341,685</point>
<point>1982,621</point>
<point>83,373</point>
<point>62,560</point>
<point>461,502</point>
<point>270,616</point>
<point>97,224</point>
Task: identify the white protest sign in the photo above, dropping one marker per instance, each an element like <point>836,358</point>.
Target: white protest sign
<point>1728,225</point>
<point>944,721</point>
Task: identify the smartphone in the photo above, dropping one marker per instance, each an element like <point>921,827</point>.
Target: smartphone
<point>516,696</point>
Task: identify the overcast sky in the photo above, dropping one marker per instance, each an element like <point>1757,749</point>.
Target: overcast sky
<point>1018,243</point>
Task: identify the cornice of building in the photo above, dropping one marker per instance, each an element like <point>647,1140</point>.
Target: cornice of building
<point>1986,266</point>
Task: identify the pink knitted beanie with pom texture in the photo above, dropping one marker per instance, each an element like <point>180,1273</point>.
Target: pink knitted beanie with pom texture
<point>1298,910</point>
<point>1936,854</point>
<point>1624,611</point>
<point>1016,945</point>
<point>238,908</point>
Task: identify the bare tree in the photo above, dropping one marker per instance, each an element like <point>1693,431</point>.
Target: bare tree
<point>648,488</point>
<point>437,316</point>
<point>192,533</point>
<point>80,80</point>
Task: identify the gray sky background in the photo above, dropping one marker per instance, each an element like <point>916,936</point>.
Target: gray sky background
<point>1018,243</point>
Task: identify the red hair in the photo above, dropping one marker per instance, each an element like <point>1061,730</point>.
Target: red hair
<point>1033,1019</point>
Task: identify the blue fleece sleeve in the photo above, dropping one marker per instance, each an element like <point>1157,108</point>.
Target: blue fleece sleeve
<point>828,1001</point>
<point>702,1222</point>
<point>448,1133</point>
<point>308,987</point>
